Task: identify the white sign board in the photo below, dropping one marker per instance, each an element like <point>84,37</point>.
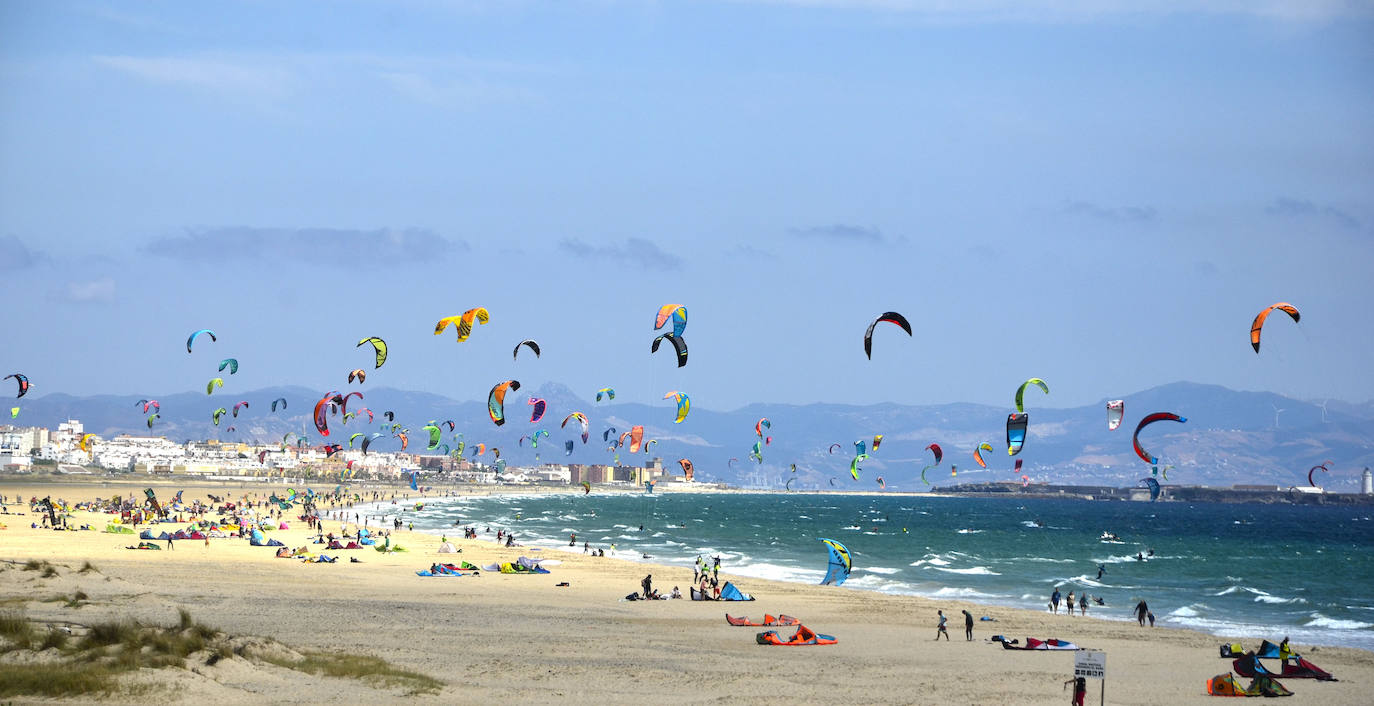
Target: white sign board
<point>1090,664</point>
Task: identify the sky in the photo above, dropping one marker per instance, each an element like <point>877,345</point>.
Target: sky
<point>1102,195</point>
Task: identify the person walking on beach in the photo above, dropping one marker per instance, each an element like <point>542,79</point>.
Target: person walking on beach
<point>940,629</point>
<point>648,585</point>
<point>1054,601</point>
<point>1068,604</point>
<point>968,626</point>
<point>1151,616</point>
<point>1141,609</point>
<point>1083,604</point>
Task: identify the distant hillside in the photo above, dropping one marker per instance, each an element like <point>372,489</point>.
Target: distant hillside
<point>1230,437</point>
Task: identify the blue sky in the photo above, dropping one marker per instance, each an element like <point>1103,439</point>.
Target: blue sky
<point>1101,195</point>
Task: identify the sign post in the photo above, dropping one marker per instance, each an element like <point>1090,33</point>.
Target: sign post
<point>1092,664</point>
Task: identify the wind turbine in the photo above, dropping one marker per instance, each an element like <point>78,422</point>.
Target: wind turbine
<point>1323,406</point>
<point>1277,412</point>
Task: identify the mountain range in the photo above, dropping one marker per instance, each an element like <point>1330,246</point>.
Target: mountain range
<point>1230,437</point>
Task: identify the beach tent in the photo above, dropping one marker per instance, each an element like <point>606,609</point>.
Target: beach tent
<point>1266,686</point>
<point>1299,668</point>
<point>730,593</point>
<point>447,548</point>
<point>1249,666</point>
<point>1225,685</point>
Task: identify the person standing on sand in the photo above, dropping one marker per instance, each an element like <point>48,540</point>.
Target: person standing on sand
<point>1054,601</point>
<point>647,584</point>
<point>1151,616</point>
<point>1069,603</point>
<point>940,629</point>
<point>1083,604</point>
<point>968,626</point>
<point>1141,609</point>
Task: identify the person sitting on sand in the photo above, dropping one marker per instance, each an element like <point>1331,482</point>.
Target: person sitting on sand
<point>676,593</point>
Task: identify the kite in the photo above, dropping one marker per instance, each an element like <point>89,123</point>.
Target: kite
<point>854,465</point>
<point>788,485</point>
<point>1016,432</point>
<point>378,347</point>
<point>154,404</point>
<point>586,488</point>
<point>14,412</point>
<point>23,381</point>
<point>636,434</point>
<point>237,406</point>
<point>359,374</point>
<point>1021,391</point>
<point>538,412</point>
<point>210,386</point>
<point>321,422</point>
<point>881,485</point>
<point>582,419</point>
<point>890,317</point>
<point>464,322</point>
<point>1258,323</point>
<point>515,354</point>
<point>684,404</point>
<point>1116,409</point>
<point>435,435</point>
<point>679,345</point>
<point>354,436</point>
<point>1311,482</point>
<point>978,453</point>
<point>496,400</point>
<point>939,456</point>
<point>688,469</point>
<point>677,313</point>
<point>833,447</point>
<point>1150,483</point>
<point>1148,420</point>
<point>877,440</point>
<point>151,418</point>
<point>840,564</point>
<point>610,394</point>
<point>193,336</point>
<point>762,424</point>
<point>568,447</point>
<point>282,400</point>
<point>86,442</point>
<point>231,363</point>
<point>219,413</point>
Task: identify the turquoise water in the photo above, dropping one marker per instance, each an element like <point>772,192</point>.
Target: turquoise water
<point>1238,570</point>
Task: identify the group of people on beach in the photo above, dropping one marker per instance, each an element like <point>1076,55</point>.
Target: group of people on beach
<point>1056,597</point>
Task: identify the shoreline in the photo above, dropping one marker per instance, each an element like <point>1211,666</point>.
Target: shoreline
<point>1232,628</point>
<point>523,639</point>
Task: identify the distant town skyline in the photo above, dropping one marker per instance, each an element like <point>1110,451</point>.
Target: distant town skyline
<point>1099,196</point>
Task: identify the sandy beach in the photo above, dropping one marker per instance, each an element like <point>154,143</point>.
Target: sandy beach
<point>522,639</point>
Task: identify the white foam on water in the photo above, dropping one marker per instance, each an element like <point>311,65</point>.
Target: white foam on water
<point>1185,611</point>
<point>974,571</point>
<point>961,592</point>
<point>970,531</point>
<point>1321,621</point>
<point>879,570</point>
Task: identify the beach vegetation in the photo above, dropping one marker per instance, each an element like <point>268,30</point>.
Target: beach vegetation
<point>49,571</point>
<point>360,667</point>
<point>33,565</point>
<point>87,567</point>
<point>16,631</point>
<point>92,663</point>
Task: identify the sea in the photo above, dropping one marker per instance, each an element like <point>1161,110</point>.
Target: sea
<point>1239,570</point>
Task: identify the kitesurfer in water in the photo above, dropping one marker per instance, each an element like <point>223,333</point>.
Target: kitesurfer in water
<point>1100,569</point>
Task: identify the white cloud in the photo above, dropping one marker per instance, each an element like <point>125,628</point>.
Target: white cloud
<point>95,291</point>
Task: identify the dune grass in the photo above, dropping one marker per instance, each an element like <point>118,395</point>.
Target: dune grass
<point>92,663</point>
<point>361,667</point>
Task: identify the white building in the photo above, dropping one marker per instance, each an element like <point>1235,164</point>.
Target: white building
<point>1367,482</point>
